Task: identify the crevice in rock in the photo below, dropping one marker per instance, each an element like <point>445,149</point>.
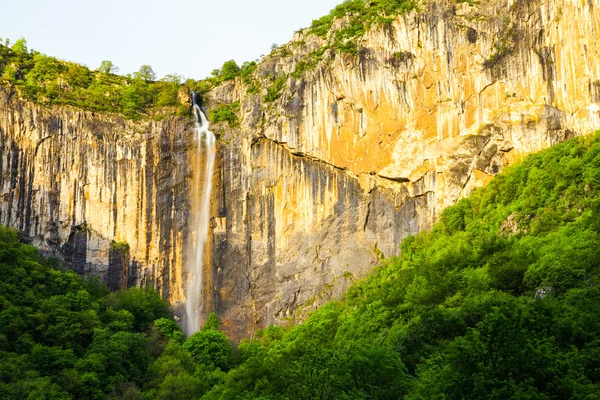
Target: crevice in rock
<point>424,194</point>
<point>367,216</point>
<point>472,168</point>
<point>398,179</point>
<point>307,156</point>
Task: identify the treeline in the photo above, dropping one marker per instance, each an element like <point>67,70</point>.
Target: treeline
<point>48,80</point>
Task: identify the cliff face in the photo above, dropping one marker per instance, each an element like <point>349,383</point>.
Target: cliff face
<point>366,149</point>
<point>72,182</point>
<point>312,188</point>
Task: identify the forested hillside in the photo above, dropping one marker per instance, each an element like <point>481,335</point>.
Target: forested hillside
<point>500,300</point>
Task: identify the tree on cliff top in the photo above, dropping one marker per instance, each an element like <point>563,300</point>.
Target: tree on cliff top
<point>107,67</point>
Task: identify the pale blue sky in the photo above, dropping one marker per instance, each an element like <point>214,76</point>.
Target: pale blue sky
<point>187,37</point>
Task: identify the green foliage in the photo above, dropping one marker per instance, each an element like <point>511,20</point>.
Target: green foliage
<point>168,92</point>
<point>225,112</point>
<point>247,70</point>
<point>212,322</point>
<point>47,80</point>
<point>169,328</point>
<point>309,62</point>
<point>275,90</point>
<point>144,304</point>
<point>209,347</point>
<point>107,67</point>
<point>499,300</point>
<point>121,247</point>
<point>62,337</point>
<point>361,15</point>
<point>247,73</point>
<point>229,71</point>
<point>146,73</point>
<point>20,46</point>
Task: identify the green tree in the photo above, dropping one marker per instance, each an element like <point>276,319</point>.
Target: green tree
<point>212,322</point>
<point>145,304</point>
<point>230,70</point>
<point>182,386</point>
<point>107,67</point>
<point>146,73</point>
<point>20,47</point>
<point>210,347</point>
<point>169,328</point>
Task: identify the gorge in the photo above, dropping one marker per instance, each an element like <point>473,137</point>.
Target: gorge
<point>316,183</point>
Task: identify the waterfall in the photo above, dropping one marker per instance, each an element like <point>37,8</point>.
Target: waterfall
<point>201,218</point>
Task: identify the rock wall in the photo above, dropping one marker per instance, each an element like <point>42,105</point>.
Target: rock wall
<point>365,149</point>
<point>312,189</point>
<point>79,184</point>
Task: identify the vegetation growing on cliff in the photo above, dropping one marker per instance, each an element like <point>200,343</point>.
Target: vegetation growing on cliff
<point>275,90</point>
<point>47,80</point>
<point>225,112</point>
<point>120,247</point>
<point>361,14</point>
<point>355,18</point>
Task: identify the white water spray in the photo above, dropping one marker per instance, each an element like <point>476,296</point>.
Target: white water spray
<point>201,218</point>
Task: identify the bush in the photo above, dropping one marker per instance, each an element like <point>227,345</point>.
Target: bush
<point>274,91</point>
<point>225,112</point>
<point>210,347</point>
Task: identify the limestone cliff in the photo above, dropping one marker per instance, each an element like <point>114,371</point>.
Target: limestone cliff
<point>365,149</point>
<point>78,184</point>
<point>313,187</point>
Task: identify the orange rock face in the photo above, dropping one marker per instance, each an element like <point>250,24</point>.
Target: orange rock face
<point>429,109</point>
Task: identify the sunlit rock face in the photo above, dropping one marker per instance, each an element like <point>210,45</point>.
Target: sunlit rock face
<point>312,189</point>
<point>364,150</point>
<point>74,181</point>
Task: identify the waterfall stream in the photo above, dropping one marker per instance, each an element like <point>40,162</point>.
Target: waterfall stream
<point>201,218</point>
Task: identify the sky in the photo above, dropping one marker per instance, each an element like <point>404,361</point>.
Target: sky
<point>186,37</point>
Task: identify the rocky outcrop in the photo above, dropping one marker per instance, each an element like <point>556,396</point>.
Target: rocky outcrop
<point>313,188</point>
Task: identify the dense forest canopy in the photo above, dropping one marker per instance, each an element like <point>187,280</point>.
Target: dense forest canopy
<point>499,300</point>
